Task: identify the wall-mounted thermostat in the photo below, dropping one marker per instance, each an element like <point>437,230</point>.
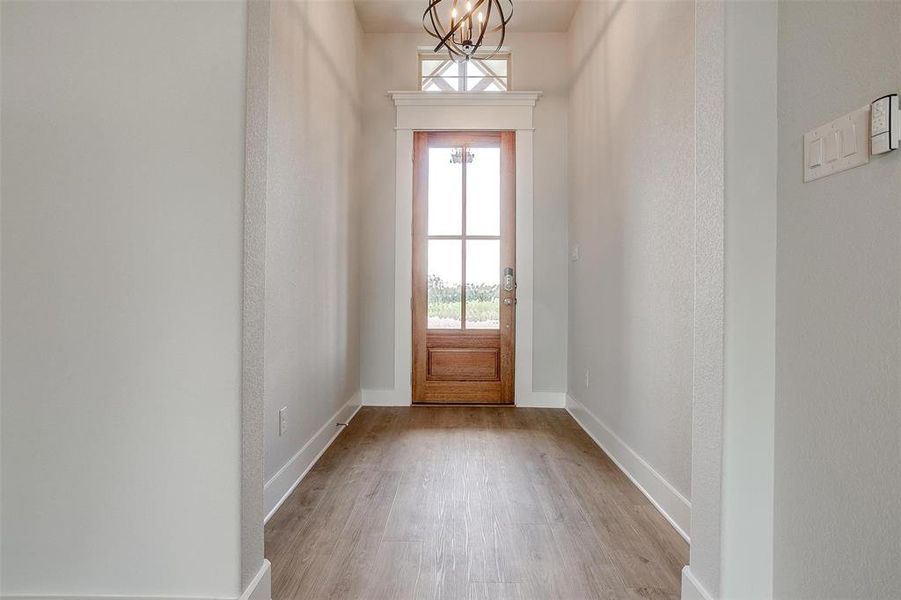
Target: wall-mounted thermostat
<point>885,125</point>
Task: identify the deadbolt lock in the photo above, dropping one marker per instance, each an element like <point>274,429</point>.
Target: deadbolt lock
<point>509,281</point>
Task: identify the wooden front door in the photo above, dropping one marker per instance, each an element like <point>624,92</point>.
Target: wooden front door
<point>464,290</point>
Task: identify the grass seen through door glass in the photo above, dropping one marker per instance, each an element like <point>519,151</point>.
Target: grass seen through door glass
<point>444,305</point>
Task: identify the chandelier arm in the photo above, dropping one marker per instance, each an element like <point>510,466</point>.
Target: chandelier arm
<point>505,17</point>
<point>432,13</point>
<point>483,29</point>
<point>509,14</point>
<point>456,26</point>
<point>502,27</point>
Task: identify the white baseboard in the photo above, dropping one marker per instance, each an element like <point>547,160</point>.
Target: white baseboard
<point>280,486</point>
<point>692,588</point>
<point>524,399</point>
<point>100,597</point>
<point>97,597</point>
<point>541,399</point>
<point>260,587</point>
<point>384,398</point>
<point>94,597</point>
<point>671,504</point>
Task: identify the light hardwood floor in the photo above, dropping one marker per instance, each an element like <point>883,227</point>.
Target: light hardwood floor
<point>469,503</point>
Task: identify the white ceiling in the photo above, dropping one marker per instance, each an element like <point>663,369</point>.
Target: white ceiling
<point>405,16</point>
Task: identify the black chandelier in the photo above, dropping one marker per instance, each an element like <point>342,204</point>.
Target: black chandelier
<point>462,26</point>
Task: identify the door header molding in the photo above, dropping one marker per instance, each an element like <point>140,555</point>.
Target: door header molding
<point>464,110</point>
<point>516,98</point>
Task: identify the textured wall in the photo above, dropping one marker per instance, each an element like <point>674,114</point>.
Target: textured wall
<point>751,138</point>
<point>122,169</point>
<point>631,173</point>
<point>708,347</point>
<point>255,184</point>
<point>391,64</point>
<point>838,315</point>
<point>312,296</point>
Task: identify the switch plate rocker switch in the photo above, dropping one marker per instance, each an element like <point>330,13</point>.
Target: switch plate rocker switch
<point>885,125</point>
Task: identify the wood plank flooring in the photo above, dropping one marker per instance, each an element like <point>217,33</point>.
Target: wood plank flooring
<point>469,503</point>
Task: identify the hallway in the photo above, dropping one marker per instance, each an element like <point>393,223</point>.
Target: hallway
<point>248,246</point>
<point>469,502</point>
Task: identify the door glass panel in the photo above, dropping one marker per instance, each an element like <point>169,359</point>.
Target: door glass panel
<point>445,192</point>
<point>445,284</point>
<point>483,270</point>
<point>483,192</point>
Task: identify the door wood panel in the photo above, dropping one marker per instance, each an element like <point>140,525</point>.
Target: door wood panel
<point>463,359</point>
<point>464,364</point>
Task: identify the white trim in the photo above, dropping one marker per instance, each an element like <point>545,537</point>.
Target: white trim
<point>523,393</point>
<point>431,50</point>
<point>525,399</point>
<point>100,597</point>
<point>466,111</point>
<point>541,399</point>
<point>260,587</point>
<point>460,99</point>
<point>492,111</point>
<point>104,597</point>
<point>280,485</point>
<point>672,505</point>
<point>692,588</point>
<point>385,398</point>
<point>403,267</point>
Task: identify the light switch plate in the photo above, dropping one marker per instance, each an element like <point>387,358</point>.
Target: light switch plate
<point>837,146</point>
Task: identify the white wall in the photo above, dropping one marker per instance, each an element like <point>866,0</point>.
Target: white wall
<point>750,291</point>
<point>312,296</point>
<point>631,171</point>
<point>390,63</point>
<point>253,310</point>
<point>122,172</point>
<point>838,315</point>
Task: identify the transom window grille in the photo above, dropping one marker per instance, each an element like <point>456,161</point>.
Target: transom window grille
<point>438,73</point>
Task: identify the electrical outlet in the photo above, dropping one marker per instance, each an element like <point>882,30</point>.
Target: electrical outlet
<point>282,421</point>
<point>574,253</point>
<point>587,378</point>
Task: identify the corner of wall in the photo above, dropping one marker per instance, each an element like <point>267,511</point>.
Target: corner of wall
<point>260,586</point>
<point>692,588</point>
<point>708,337</point>
<point>252,382</point>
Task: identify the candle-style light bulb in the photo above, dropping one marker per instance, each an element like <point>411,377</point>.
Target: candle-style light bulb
<point>453,22</point>
<point>469,19</point>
